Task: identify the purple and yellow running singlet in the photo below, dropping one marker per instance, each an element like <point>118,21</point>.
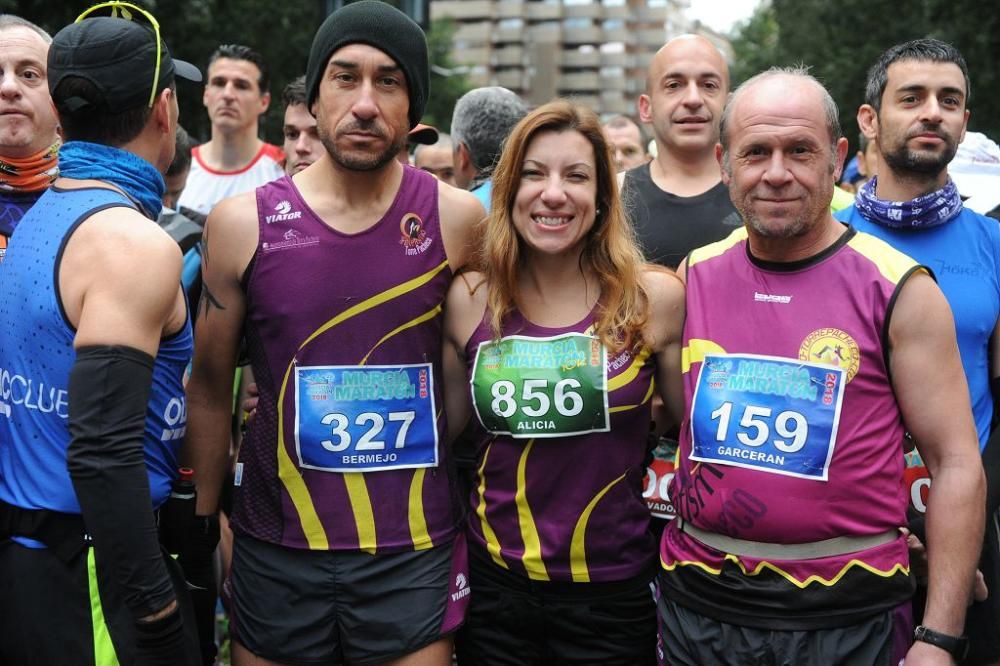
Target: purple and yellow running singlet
<point>347,449</point>
<point>793,434</point>
<point>561,438</point>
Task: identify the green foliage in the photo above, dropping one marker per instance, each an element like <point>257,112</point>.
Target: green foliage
<point>840,40</point>
<point>281,31</point>
<point>445,90</point>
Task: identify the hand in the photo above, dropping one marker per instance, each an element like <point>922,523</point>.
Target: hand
<point>979,591</point>
<point>925,654</point>
<point>918,565</point>
<point>162,642</point>
<point>918,556</point>
<point>197,561</point>
<point>250,404</point>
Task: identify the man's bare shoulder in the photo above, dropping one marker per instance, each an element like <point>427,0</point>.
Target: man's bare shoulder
<point>123,237</point>
<point>458,207</point>
<point>237,212</point>
<point>460,213</point>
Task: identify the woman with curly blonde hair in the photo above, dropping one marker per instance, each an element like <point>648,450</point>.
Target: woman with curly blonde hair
<point>557,343</point>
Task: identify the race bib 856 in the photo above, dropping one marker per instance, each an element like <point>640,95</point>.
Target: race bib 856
<point>541,387</point>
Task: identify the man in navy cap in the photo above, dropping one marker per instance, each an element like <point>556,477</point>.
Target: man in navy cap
<point>94,339</point>
<point>347,547</point>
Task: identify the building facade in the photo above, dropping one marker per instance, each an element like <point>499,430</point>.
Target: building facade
<point>595,51</point>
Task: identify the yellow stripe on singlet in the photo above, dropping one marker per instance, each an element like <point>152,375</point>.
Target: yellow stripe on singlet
<point>578,544</point>
<point>631,372</point>
<point>492,542</point>
<point>645,399</point>
<point>801,584</point>
<point>696,350</point>
<point>289,474</point>
<point>892,264</point>
<point>532,558</point>
<point>418,522</point>
<point>416,321</point>
<point>361,506</point>
<point>717,248</point>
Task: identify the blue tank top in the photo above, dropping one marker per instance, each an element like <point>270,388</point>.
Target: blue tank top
<point>965,257</point>
<point>36,355</point>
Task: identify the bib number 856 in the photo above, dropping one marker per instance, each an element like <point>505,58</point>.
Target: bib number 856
<point>788,424</point>
<point>367,442</point>
<point>567,402</point>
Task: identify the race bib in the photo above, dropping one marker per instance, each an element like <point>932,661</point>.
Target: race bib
<point>917,481</point>
<point>365,418</point>
<point>659,474</point>
<point>767,413</point>
<point>541,387</point>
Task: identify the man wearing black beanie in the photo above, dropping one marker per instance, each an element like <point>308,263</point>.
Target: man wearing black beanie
<point>347,545</point>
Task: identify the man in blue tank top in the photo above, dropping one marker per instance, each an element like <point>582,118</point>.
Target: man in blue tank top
<point>346,547</point>
<point>94,339</point>
<point>916,111</point>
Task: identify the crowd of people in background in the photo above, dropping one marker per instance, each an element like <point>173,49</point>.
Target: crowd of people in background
<point>692,387</point>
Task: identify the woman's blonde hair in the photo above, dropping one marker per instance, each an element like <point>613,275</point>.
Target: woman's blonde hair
<point>610,249</point>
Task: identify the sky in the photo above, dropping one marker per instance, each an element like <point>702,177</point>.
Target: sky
<point>721,15</point>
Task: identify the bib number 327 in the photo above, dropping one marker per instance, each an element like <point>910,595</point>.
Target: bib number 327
<point>369,418</point>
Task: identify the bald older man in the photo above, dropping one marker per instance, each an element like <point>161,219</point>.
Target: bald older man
<point>807,345</point>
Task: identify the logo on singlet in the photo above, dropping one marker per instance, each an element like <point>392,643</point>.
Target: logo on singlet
<point>414,236</point>
<point>462,583</point>
<point>283,212</point>
<point>291,239</point>
<point>832,346</point>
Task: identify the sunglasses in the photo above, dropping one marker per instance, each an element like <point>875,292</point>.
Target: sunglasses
<point>125,10</point>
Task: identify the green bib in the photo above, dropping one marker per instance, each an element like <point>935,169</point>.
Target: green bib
<point>541,387</point>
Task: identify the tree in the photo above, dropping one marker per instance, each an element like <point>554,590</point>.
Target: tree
<point>448,82</point>
<point>281,31</point>
<point>841,40</point>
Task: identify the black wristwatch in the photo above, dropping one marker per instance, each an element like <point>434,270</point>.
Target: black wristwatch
<point>956,646</point>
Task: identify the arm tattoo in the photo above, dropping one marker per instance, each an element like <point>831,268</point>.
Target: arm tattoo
<point>207,300</point>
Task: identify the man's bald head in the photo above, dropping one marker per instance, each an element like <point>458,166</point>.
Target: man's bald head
<point>686,89</point>
<point>793,78</point>
<point>683,47</point>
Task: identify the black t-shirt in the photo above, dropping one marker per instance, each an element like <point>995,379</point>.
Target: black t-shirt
<point>668,226</point>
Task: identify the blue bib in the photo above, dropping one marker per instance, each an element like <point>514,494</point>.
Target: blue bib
<point>771,414</point>
<point>365,418</point>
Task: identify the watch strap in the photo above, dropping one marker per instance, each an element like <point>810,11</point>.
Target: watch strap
<point>956,646</point>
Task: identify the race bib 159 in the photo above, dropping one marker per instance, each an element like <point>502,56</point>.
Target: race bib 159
<point>771,414</point>
<point>365,418</point>
<point>541,387</point>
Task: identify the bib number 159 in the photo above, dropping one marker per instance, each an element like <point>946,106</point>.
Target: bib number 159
<point>756,423</point>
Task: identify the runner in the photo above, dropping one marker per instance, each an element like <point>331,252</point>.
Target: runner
<point>807,347</point>
<point>563,336</point>
<point>347,547</point>
<point>915,114</point>
<point>234,160</point>
<point>29,142</point>
<point>90,422</point>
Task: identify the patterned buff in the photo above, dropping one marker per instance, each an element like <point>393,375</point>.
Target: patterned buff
<point>30,174</point>
<point>134,175</point>
<point>925,211</point>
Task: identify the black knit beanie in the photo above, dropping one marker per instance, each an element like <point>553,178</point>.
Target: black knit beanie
<point>386,28</point>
